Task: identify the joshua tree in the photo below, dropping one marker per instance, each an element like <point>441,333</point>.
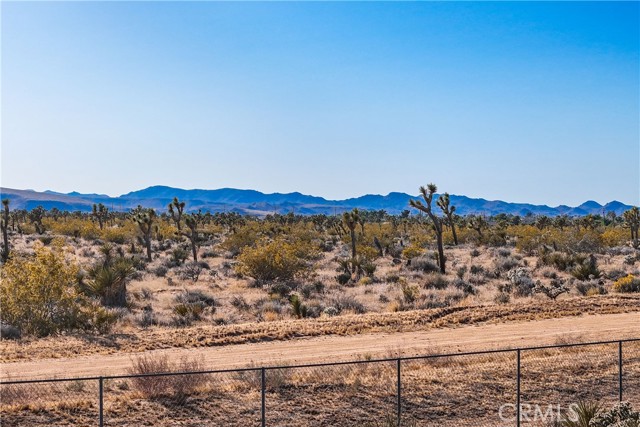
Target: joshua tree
<point>588,221</point>
<point>101,213</point>
<point>543,222</point>
<point>192,223</point>
<point>562,221</point>
<point>35,216</point>
<point>351,220</point>
<point>427,195</point>
<point>444,203</point>
<point>176,208</point>
<point>4,224</point>
<point>145,219</point>
<point>478,223</point>
<point>632,219</point>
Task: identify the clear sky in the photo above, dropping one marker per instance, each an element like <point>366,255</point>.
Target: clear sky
<point>526,102</point>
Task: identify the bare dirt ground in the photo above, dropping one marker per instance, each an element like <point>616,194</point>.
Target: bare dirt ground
<point>341,348</point>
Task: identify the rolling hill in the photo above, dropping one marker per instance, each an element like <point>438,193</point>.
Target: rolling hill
<point>251,202</point>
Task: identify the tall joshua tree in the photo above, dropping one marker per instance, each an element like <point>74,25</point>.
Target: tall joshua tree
<point>427,194</point>
<point>192,223</point>
<point>101,213</point>
<point>351,220</point>
<point>444,203</point>
<point>145,219</point>
<point>632,219</point>
<point>4,224</point>
<point>176,207</point>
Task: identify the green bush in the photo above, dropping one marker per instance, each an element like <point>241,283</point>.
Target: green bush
<point>277,260</point>
<point>40,296</point>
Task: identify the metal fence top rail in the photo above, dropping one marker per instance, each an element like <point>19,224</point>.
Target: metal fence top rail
<point>325,364</point>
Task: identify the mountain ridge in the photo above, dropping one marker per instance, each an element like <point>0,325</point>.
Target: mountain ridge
<point>253,202</point>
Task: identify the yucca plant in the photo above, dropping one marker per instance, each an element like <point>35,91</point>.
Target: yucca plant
<point>581,415</point>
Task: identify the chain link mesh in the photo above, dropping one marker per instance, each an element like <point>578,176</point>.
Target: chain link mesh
<point>455,390</point>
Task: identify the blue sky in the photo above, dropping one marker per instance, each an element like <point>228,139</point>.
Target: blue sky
<point>527,102</point>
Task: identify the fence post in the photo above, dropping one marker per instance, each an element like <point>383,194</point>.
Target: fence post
<point>399,390</point>
<point>101,400</point>
<point>620,371</point>
<point>264,396</point>
<point>518,389</point>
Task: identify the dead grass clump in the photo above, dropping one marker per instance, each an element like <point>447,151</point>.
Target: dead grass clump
<point>175,386</point>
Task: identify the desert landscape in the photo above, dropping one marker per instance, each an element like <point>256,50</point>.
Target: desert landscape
<point>143,292</point>
<point>319,214</point>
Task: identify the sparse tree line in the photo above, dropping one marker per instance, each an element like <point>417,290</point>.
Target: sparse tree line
<point>282,248</point>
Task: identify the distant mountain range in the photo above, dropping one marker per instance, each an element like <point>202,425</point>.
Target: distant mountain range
<point>251,202</point>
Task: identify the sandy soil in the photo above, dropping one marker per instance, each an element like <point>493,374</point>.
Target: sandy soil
<point>342,348</point>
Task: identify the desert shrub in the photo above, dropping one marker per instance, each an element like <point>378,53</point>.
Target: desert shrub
<point>466,287</point>
<point>276,260</point>
<point>560,260</point>
<point>553,290</point>
<point>621,415</point>
<point>240,303</point>
<point>298,308</point>
<point>178,257</point>
<point>521,282</point>
<point>504,253</point>
<point>615,274</point>
<point>413,251</point>
<point>308,290</point>
<point>392,278</point>
<point>506,263</point>
<point>269,309</point>
<point>190,271</point>
<point>147,317</point>
<point>409,293</point>
<point>160,271</point>
<point>591,287</point>
<point>617,236</point>
<point>438,301</point>
<point>365,281</point>
<point>629,283</point>
<point>474,253</point>
<point>40,296</point>
<point>9,332</point>
<point>477,269</point>
<point>502,298</point>
<point>176,387</point>
<point>344,303</point>
<point>191,306</point>
<point>586,270</point>
<point>549,274</point>
<point>283,290</point>
<point>209,254</point>
<point>343,278</point>
<point>368,268</point>
<point>477,279</point>
<point>423,264</point>
<point>436,281</point>
<point>461,271</point>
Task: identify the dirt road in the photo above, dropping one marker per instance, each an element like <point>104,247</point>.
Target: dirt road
<point>342,348</point>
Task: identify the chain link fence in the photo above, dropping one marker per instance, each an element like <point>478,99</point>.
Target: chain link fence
<point>503,388</point>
